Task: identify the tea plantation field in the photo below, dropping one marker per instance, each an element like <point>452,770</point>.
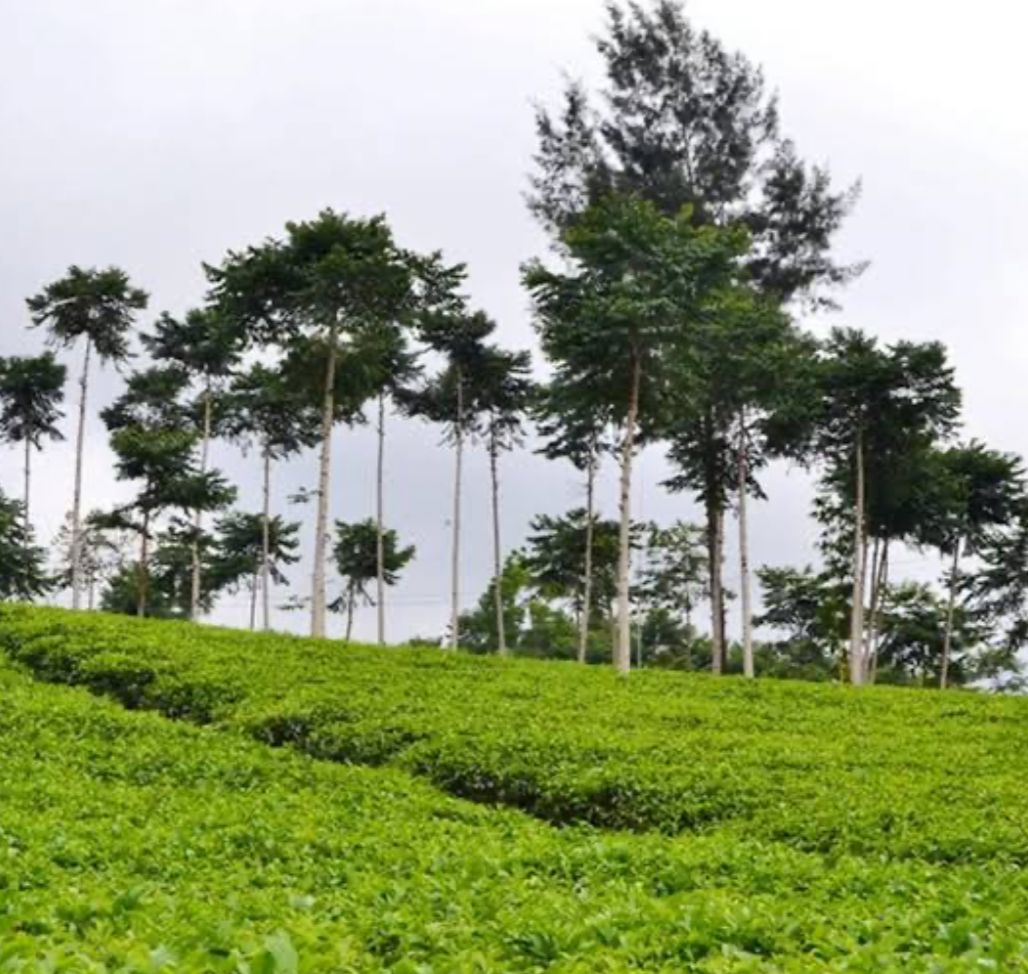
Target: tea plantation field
<point>664,823</point>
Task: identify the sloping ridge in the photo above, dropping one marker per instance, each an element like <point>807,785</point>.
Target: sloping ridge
<point>898,773</point>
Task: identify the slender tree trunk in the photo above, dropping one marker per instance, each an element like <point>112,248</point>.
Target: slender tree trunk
<point>494,476</point>
<point>76,504</point>
<point>623,646</point>
<point>28,482</point>
<point>744,556</point>
<point>349,616</point>
<point>266,542</point>
<point>876,622</point>
<point>859,545</point>
<point>872,604</point>
<point>324,474</point>
<point>253,600</point>
<point>715,520</point>
<point>951,604</point>
<point>205,445</point>
<point>379,524</point>
<point>91,593</point>
<point>143,584</point>
<point>587,579</point>
<point>455,554</point>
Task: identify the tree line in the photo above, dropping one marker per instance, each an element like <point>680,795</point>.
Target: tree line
<point>689,240</point>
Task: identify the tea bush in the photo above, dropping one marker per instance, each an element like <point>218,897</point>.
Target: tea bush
<point>131,843</point>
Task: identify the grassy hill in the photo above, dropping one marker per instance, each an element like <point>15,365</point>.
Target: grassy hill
<point>707,825</point>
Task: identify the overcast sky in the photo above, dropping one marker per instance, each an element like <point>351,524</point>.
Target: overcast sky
<point>154,135</point>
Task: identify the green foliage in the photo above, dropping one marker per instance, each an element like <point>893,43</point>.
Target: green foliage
<point>356,559</point>
<point>31,393</point>
<point>681,121</point>
<point>817,768</point>
<point>136,844</point>
<point>98,305</point>
<point>23,573</point>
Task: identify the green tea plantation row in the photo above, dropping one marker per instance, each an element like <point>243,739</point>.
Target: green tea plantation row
<point>131,843</point>
<point>885,772</point>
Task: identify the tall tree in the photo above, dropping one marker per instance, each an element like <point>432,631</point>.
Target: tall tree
<point>504,389</point>
<point>574,425</point>
<point>23,572</point>
<point>320,289</point>
<point>162,462</point>
<point>729,411</point>
<point>984,490</point>
<point>638,282</point>
<point>396,367</point>
<point>207,346</point>
<point>264,407</point>
<point>31,393</point>
<point>253,547</point>
<point>876,405</point>
<point>356,559</point>
<point>98,307</point>
<point>450,398</point>
<point>681,121</point>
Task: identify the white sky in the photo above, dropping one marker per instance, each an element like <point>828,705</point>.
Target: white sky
<point>155,135</point>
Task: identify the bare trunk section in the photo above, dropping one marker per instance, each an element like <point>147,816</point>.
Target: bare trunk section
<point>715,521</point>
<point>205,445</point>
<point>623,645</point>
<point>76,504</point>
<point>859,554</point>
<point>143,575</point>
<point>881,587</point>
<point>951,604</point>
<point>455,554</point>
<point>28,483</point>
<point>494,476</point>
<point>872,603</point>
<point>380,524</point>
<point>266,543</point>
<point>324,474</point>
<point>349,615</point>
<point>253,600</point>
<point>744,558</point>
<point>587,579</point>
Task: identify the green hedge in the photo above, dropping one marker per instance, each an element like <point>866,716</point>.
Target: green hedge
<point>131,844</point>
<point>886,771</point>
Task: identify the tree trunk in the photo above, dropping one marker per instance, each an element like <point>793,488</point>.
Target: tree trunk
<point>876,624</point>
<point>455,554</point>
<point>872,603</point>
<point>266,543</point>
<point>951,604</point>
<point>76,504</point>
<point>253,600</point>
<point>623,646</point>
<point>857,608</point>
<point>379,524</point>
<point>144,567</point>
<point>205,443</point>
<point>324,474</point>
<point>715,520</point>
<point>349,616</point>
<point>494,476</point>
<point>28,483</point>
<point>587,579</point>
<point>744,556</point>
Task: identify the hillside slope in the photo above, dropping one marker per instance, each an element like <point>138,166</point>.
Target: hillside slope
<point>133,843</point>
<point>883,771</point>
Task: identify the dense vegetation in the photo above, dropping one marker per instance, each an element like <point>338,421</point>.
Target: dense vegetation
<point>828,831</point>
<point>891,773</point>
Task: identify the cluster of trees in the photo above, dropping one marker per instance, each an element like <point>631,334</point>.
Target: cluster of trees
<point>688,235</point>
